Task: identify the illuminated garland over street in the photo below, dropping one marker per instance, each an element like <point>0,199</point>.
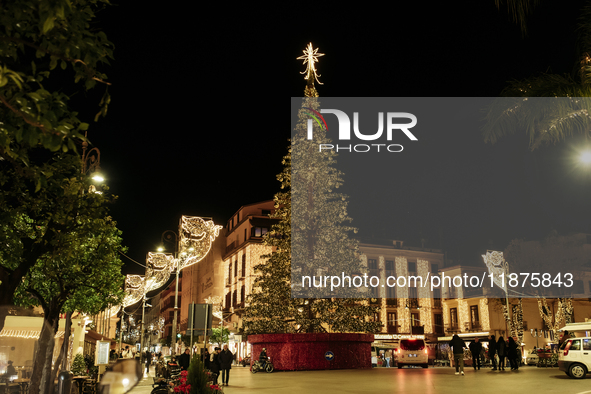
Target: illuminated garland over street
<point>197,236</point>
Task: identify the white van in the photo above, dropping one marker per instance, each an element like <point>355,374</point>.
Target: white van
<point>413,352</point>
<point>574,357</point>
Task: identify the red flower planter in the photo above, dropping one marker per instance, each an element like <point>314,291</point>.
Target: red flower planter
<point>297,352</point>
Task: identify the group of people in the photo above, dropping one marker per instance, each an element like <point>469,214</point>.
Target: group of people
<point>218,361</point>
<point>501,348</point>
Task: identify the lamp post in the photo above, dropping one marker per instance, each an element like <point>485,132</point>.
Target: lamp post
<point>169,236</point>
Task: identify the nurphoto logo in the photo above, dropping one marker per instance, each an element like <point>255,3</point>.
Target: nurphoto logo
<point>344,132</point>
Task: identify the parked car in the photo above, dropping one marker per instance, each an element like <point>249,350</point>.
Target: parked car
<point>574,357</point>
<point>413,352</point>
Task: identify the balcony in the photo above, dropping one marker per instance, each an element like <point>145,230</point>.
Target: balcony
<point>231,247</point>
<point>392,302</point>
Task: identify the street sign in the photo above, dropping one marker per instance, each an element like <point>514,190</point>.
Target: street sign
<point>329,356</point>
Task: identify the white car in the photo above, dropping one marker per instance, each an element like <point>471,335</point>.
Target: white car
<point>413,352</point>
<point>574,357</point>
<point>532,358</point>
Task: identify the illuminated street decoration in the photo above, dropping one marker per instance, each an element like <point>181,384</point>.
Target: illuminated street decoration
<point>216,301</point>
<point>497,266</point>
<point>310,57</point>
<point>134,289</point>
<point>113,310</point>
<point>196,237</point>
<point>158,269</point>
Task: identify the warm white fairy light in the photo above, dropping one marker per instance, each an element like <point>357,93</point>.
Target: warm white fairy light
<point>464,315</point>
<point>134,289</point>
<point>310,57</point>
<point>196,237</point>
<point>484,314</point>
<point>158,269</point>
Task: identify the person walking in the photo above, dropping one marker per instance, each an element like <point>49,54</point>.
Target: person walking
<point>475,349</point>
<point>226,358</point>
<point>148,360</point>
<point>492,351</point>
<point>502,352</point>
<point>214,365</point>
<point>512,351</point>
<point>185,360</point>
<point>458,347</point>
<point>206,358</point>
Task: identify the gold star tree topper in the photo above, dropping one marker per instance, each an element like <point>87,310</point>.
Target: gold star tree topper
<point>310,57</point>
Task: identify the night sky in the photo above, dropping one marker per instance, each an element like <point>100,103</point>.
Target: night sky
<point>198,120</point>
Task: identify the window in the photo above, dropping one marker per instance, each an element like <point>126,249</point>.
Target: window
<point>372,264</point>
<point>265,212</point>
<point>412,293</point>
<point>236,268</point>
<point>258,231</point>
<point>390,291</point>
<point>242,295</point>
<point>243,265</point>
<point>234,296</point>
<point>434,269</point>
<point>390,266</point>
<point>586,344</point>
<point>437,298</point>
<point>391,324</point>
<point>412,267</point>
<point>576,345</point>
<point>453,317</point>
<point>474,319</point>
<point>438,323</point>
<point>229,271</point>
<point>414,319</point>
<point>244,235</point>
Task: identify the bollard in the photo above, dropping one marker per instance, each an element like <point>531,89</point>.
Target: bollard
<point>64,382</point>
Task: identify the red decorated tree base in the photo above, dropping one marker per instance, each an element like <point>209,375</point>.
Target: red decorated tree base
<point>297,352</point>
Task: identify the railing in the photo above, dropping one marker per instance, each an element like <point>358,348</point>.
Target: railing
<point>392,329</point>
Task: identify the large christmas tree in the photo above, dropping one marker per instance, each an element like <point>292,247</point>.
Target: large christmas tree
<point>311,238</point>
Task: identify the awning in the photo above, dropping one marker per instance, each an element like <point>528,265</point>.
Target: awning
<point>576,327</point>
<point>27,327</point>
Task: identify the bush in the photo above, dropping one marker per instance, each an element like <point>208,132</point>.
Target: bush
<point>79,366</point>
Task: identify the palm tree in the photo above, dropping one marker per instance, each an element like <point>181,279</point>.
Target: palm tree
<point>536,105</point>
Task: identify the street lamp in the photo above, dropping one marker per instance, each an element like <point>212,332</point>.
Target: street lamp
<point>585,157</point>
<point>170,236</point>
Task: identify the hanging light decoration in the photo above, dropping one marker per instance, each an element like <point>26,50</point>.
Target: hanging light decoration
<point>196,237</point>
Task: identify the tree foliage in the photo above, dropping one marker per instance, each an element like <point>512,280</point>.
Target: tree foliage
<point>312,237</point>
<point>549,120</point>
<point>218,336</point>
<point>45,45</point>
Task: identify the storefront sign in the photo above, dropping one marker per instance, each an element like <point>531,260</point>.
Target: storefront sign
<point>397,336</point>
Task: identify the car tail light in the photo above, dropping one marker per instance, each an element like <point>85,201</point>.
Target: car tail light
<point>567,347</point>
<point>426,352</point>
